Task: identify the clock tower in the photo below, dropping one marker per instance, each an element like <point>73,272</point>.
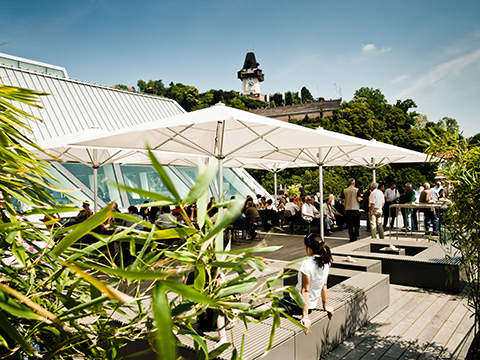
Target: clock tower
<point>251,77</point>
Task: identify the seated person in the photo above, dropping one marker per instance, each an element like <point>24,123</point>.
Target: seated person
<point>309,211</point>
<point>132,210</point>
<point>291,207</point>
<point>85,213</point>
<point>192,212</point>
<point>269,205</point>
<point>331,212</point>
<point>262,204</point>
<point>166,220</point>
<point>312,280</point>
<point>252,217</point>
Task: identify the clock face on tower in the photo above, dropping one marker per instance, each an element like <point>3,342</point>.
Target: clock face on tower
<point>250,84</point>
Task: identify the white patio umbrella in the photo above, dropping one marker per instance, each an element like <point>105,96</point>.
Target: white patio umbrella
<point>224,132</point>
<point>227,133</point>
<point>377,154</point>
<point>98,156</point>
<point>372,154</point>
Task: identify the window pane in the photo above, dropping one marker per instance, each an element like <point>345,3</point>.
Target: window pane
<point>84,173</point>
<point>74,195</point>
<point>233,185</point>
<point>145,177</point>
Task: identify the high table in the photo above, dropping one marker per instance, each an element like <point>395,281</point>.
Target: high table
<point>431,206</point>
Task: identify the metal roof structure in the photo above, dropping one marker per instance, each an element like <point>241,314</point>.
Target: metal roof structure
<point>75,107</point>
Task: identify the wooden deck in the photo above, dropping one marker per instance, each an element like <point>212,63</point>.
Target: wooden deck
<point>418,324</point>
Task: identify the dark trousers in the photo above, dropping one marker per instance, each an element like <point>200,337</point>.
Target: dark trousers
<point>389,213</point>
<point>352,218</point>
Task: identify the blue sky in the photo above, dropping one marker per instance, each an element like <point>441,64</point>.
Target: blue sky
<point>425,50</point>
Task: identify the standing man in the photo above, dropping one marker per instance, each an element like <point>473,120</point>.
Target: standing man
<point>376,201</point>
<point>391,197</point>
<point>352,199</point>
<point>408,197</point>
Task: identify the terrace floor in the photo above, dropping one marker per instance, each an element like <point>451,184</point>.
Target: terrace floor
<point>418,324</point>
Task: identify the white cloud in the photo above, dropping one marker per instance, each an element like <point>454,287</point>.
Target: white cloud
<point>369,48</point>
<point>440,72</point>
<point>372,49</point>
<point>399,78</point>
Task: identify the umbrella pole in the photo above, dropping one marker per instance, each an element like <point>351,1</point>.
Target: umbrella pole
<point>320,188</point>
<point>275,183</point>
<point>374,172</point>
<point>220,179</point>
<point>95,188</point>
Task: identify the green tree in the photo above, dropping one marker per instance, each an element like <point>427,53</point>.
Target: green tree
<point>185,95</point>
<point>461,170</point>
<point>121,87</point>
<point>277,99</point>
<point>306,95</point>
<point>154,87</point>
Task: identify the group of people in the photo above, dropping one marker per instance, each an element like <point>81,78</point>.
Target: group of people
<point>377,203</point>
<point>288,211</point>
<point>265,212</point>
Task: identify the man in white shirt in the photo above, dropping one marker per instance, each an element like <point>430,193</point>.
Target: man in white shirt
<point>291,207</point>
<point>376,201</point>
<point>309,211</point>
<point>391,197</point>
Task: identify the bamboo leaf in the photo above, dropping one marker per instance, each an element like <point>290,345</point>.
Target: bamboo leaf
<point>31,304</point>
<point>275,325</point>
<point>255,249</point>
<point>144,248</point>
<point>293,320</point>
<point>13,333</point>
<point>297,296</point>
<point>225,220</point>
<point>215,353</point>
<point>199,282</point>
<point>188,292</point>
<point>235,305</point>
<point>19,311</point>
<point>134,275</point>
<point>165,200</point>
<point>183,307</point>
<point>163,176</point>
<point>107,290</point>
<point>19,252</point>
<point>242,288</point>
<point>82,229</point>
<point>165,340</point>
<point>180,233</point>
<point>52,210</point>
<point>201,344</point>
<point>76,310</point>
<point>200,187</point>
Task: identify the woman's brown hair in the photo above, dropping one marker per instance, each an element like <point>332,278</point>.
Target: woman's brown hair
<point>320,249</point>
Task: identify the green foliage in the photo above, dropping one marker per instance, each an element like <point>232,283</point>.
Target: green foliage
<point>21,173</point>
<point>121,87</point>
<point>306,95</point>
<point>291,98</point>
<point>190,99</point>
<point>461,170</point>
<point>277,99</point>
